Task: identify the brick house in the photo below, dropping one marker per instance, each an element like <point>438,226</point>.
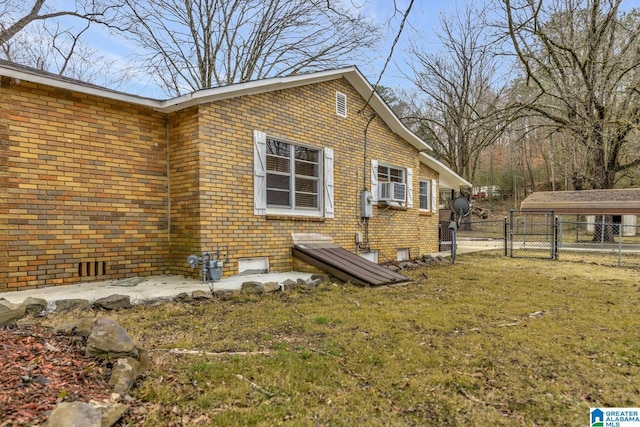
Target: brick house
<point>100,184</point>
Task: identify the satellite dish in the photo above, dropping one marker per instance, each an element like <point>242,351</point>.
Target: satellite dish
<point>460,207</point>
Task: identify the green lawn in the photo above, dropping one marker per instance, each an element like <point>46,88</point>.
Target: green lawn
<point>487,341</point>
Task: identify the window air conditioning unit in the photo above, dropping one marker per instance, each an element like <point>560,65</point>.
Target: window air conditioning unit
<point>392,191</point>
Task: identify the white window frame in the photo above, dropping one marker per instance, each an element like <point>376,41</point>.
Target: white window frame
<point>324,178</point>
<point>428,185</point>
<point>407,179</point>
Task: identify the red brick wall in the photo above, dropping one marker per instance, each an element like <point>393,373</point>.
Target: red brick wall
<point>85,182</point>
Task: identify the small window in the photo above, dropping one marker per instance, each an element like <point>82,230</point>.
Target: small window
<point>341,104</point>
<point>425,195</point>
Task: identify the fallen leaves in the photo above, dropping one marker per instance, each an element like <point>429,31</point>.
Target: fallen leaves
<point>40,369</point>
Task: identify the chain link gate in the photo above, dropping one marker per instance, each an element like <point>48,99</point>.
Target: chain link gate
<point>533,235</point>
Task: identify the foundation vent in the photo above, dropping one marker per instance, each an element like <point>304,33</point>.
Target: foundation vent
<point>92,268</point>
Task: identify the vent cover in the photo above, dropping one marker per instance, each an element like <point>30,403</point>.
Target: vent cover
<point>92,268</point>
<point>341,104</point>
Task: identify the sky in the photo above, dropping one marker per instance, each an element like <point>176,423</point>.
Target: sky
<point>422,25</point>
<point>423,18</point>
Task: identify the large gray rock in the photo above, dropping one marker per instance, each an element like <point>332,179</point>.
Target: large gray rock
<point>289,285</point>
<point>75,414</point>
<point>66,305</point>
<point>201,295</point>
<point>34,306</point>
<point>111,412</point>
<point>110,340</point>
<point>270,287</point>
<point>81,327</point>
<point>113,302</point>
<point>80,414</point>
<point>226,294</point>
<point>124,374</point>
<point>10,312</point>
<point>183,297</point>
<point>252,288</point>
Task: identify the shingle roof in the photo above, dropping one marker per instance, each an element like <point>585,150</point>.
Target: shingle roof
<point>586,202</point>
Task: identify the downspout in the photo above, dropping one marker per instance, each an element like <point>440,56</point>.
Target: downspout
<point>365,221</point>
<point>166,134</point>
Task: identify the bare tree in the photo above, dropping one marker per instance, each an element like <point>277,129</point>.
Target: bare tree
<point>460,113</point>
<point>189,45</point>
<point>50,39</point>
<point>16,15</point>
<point>581,60</point>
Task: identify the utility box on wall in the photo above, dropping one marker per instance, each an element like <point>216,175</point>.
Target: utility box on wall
<point>367,204</point>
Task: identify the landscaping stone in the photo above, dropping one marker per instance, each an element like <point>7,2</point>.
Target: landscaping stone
<point>183,297</point>
<point>289,285</point>
<point>34,306</point>
<point>67,305</point>
<point>67,414</point>
<point>252,288</point>
<point>271,287</point>
<point>226,294</point>
<point>320,278</point>
<point>10,312</point>
<point>109,340</point>
<point>113,302</point>
<point>124,374</point>
<point>201,295</point>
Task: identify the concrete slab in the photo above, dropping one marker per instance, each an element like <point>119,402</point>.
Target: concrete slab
<point>150,288</point>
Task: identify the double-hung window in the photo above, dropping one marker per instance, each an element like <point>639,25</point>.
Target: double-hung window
<point>425,195</point>
<point>291,178</point>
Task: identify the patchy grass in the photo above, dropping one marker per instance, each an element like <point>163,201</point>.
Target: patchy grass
<point>487,341</point>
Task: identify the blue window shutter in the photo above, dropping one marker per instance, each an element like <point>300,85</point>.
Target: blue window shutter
<point>259,173</point>
<point>328,183</point>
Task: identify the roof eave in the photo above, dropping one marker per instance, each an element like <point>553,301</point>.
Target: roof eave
<point>448,178</point>
<point>75,86</point>
<point>351,74</point>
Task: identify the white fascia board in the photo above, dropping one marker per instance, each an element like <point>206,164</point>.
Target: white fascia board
<point>250,88</point>
<point>75,86</point>
<point>448,178</point>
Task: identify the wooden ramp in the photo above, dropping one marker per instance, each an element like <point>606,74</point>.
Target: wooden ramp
<point>345,265</point>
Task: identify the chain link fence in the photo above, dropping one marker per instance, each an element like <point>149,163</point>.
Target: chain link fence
<point>598,241</point>
<point>543,235</point>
